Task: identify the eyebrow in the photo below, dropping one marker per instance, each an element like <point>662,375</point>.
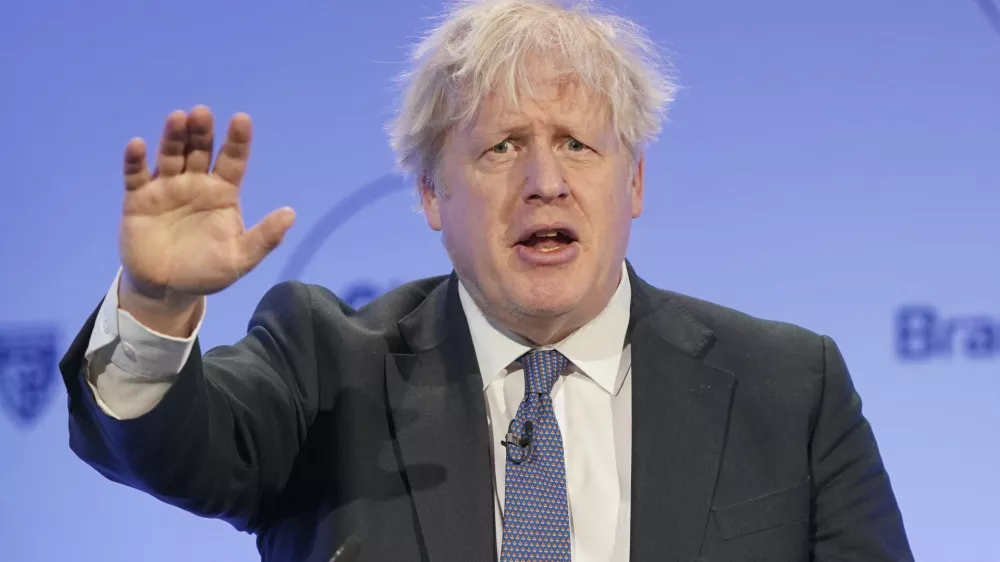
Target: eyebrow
<point>512,128</point>
<point>523,130</point>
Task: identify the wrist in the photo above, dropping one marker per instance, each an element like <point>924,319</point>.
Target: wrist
<point>162,311</point>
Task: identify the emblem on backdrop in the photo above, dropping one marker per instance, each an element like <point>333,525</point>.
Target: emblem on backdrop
<point>28,371</point>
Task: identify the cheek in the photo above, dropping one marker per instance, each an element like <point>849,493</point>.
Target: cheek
<point>610,218</point>
<point>615,203</point>
<point>473,224</point>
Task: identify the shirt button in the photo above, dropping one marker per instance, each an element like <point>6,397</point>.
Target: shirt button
<point>106,326</point>
<point>129,351</point>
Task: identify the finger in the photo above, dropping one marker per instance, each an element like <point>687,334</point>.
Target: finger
<point>136,170</point>
<point>255,244</point>
<point>232,160</point>
<point>201,140</point>
<point>170,156</point>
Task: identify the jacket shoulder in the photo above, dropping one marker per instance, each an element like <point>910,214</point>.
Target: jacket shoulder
<point>745,337</point>
<point>376,318</point>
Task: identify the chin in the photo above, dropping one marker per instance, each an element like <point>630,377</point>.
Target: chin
<point>548,298</point>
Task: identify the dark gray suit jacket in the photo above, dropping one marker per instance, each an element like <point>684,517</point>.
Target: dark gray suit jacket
<point>749,442</point>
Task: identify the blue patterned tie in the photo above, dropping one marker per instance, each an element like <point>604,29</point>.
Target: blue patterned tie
<point>536,513</point>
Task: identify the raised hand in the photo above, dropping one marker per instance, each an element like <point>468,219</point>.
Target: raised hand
<point>182,234</point>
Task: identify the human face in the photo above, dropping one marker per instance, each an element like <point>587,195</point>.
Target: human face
<point>512,178</point>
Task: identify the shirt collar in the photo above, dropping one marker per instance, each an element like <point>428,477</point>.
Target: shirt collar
<point>595,349</point>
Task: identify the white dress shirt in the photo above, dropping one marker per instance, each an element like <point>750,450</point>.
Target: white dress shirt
<point>130,369</point>
<point>593,406</point>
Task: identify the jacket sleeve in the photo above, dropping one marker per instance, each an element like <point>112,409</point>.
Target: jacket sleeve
<point>855,514</point>
<point>223,440</point>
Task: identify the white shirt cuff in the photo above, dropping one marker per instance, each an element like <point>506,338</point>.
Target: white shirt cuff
<point>128,361</point>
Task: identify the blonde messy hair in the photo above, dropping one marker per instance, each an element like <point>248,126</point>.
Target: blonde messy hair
<point>482,46</point>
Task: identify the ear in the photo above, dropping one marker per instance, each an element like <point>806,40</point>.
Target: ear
<point>430,201</point>
<point>637,186</point>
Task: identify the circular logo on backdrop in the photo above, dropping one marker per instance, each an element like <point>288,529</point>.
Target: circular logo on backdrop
<point>366,243</point>
<point>992,10</point>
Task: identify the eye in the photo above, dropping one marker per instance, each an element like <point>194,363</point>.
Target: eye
<point>502,147</point>
<point>576,146</point>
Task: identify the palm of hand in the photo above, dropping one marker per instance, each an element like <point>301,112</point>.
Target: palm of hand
<point>182,229</point>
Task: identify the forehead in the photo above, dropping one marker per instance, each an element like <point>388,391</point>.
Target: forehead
<point>544,97</point>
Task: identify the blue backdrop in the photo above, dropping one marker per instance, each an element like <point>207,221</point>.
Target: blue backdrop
<point>831,164</point>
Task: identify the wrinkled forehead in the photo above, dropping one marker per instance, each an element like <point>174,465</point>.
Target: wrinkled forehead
<point>542,90</point>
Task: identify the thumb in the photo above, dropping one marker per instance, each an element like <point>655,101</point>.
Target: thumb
<point>257,242</point>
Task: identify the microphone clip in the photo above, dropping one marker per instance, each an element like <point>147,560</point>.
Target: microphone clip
<point>519,448</point>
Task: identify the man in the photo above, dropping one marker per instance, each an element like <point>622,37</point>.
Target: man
<point>542,402</point>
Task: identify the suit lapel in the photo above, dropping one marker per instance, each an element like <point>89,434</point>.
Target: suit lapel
<point>680,412</point>
<point>438,414</point>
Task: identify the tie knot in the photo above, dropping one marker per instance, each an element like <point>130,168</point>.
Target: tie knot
<point>542,369</point>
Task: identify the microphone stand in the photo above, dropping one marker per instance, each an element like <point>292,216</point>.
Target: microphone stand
<point>350,551</point>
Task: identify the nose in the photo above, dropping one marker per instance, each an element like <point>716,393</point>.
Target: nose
<point>544,182</point>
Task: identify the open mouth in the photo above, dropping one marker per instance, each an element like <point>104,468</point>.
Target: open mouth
<point>549,240</point>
